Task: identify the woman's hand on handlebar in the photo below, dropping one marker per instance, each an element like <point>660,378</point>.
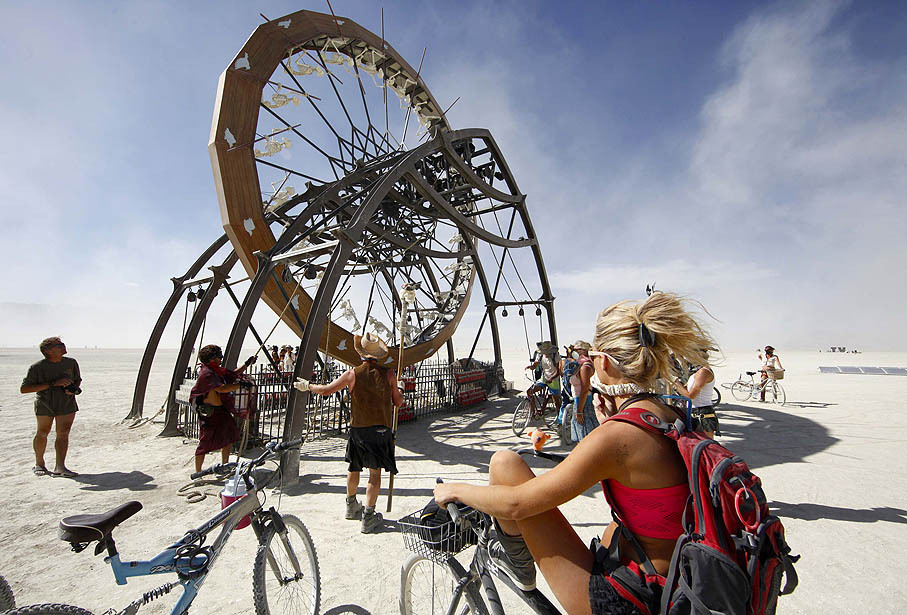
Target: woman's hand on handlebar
<point>444,494</point>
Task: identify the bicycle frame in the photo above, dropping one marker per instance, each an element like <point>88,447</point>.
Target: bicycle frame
<point>192,570</point>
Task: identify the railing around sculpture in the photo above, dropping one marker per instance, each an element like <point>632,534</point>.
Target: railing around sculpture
<point>429,387</point>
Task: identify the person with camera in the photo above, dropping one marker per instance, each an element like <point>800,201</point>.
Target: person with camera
<point>212,397</point>
<point>56,381</point>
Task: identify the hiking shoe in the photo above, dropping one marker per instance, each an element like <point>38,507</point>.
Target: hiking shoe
<point>522,574</point>
<point>371,521</point>
<point>353,508</point>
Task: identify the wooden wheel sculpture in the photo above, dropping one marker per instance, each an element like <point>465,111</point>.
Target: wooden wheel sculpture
<point>340,181</point>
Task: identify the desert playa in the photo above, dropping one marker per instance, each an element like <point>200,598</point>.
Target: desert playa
<point>831,460</point>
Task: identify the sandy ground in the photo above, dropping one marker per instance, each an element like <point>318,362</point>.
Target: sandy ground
<point>831,460</point>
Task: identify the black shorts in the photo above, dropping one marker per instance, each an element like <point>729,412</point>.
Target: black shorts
<point>371,447</point>
<point>708,420</point>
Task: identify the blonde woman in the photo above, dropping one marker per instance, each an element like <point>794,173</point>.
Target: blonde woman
<point>643,473</point>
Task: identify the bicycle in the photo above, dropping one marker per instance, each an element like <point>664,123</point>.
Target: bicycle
<point>432,581</point>
<point>716,396</point>
<point>534,407</point>
<point>285,576</point>
<point>742,389</point>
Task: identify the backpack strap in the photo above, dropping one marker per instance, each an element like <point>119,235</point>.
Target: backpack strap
<point>648,420</point>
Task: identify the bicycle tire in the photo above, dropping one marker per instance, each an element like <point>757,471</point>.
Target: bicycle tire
<point>778,395</point>
<point>551,413</point>
<point>742,390</point>
<point>563,430</point>
<point>274,595</point>
<point>49,609</point>
<point>716,396</point>
<point>427,588</point>
<point>7,599</point>
<point>521,416</point>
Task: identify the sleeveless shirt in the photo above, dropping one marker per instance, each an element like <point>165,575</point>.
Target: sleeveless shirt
<point>370,400</point>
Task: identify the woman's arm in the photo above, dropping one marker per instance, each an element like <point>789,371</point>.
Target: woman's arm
<point>598,456</point>
<point>700,379</point>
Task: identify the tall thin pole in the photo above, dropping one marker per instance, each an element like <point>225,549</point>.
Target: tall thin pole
<point>407,295</point>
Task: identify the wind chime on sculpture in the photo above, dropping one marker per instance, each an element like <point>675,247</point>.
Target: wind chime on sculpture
<point>340,181</point>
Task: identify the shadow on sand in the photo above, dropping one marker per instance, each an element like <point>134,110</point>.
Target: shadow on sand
<point>814,512</point>
<point>115,481</point>
<point>765,436</point>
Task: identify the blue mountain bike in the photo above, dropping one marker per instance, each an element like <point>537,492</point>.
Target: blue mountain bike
<point>285,577</point>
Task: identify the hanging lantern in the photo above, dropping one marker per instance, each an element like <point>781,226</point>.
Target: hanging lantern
<point>504,312</point>
<point>200,293</point>
<point>190,297</point>
<point>538,311</point>
<point>311,273</point>
<point>522,313</point>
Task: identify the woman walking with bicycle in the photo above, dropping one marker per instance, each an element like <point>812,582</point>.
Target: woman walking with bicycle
<point>643,472</point>
<point>770,363</point>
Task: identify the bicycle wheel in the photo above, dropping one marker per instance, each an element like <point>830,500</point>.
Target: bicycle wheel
<point>741,390</point>
<point>521,416</point>
<point>551,412</point>
<point>427,588</point>
<point>285,578</point>
<point>563,430</point>
<point>7,600</point>
<point>716,396</point>
<point>777,393</point>
<point>49,609</point>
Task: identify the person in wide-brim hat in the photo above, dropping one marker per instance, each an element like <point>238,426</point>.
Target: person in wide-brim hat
<point>370,346</point>
<point>547,348</point>
<point>374,398</point>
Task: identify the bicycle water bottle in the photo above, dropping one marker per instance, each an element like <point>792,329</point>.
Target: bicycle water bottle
<point>234,489</point>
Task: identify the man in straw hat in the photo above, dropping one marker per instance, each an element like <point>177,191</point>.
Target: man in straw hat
<point>549,361</point>
<point>56,381</point>
<point>374,397</point>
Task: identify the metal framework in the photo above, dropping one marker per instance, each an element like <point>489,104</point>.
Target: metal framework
<point>305,101</point>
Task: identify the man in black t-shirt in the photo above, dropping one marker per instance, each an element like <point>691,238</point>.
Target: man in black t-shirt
<point>56,380</point>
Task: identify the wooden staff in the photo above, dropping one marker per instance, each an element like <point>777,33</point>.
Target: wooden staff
<point>406,296</point>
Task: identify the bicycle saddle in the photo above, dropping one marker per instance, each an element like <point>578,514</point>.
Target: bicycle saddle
<point>88,528</point>
<point>751,373</point>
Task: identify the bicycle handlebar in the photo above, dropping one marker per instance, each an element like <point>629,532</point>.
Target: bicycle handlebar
<point>271,449</point>
<point>220,468</point>
<point>555,457</point>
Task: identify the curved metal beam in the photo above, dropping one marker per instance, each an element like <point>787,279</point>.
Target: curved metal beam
<point>141,381</point>
<point>221,273</point>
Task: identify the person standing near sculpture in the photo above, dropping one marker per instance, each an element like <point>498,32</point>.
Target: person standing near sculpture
<point>212,397</point>
<point>584,417</point>
<point>56,380</point>
<point>374,397</point>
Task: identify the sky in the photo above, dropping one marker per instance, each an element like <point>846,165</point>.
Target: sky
<point>750,156</point>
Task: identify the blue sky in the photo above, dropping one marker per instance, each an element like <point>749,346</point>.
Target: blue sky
<point>749,155</point>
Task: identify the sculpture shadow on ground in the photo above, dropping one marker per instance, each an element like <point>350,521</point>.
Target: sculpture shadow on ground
<point>765,436</point>
<point>113,481</point>
<point>813,512</point>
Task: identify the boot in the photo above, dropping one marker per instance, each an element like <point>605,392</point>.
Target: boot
<point>371,520</point>
<point>353,508</point>
<point>511,555</point>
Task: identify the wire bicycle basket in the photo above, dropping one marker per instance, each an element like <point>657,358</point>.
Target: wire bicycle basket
<point>439,541</point>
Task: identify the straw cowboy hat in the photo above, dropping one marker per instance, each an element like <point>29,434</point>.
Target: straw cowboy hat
<point>370,346</point>
<point>582,345</point>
